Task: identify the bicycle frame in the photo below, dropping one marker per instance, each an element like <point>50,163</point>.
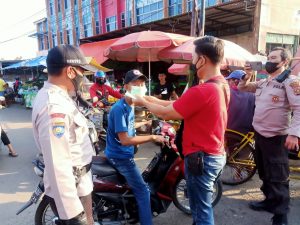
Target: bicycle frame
<point>248,139</point>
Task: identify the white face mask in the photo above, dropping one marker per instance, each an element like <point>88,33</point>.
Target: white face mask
<point>136,90</point>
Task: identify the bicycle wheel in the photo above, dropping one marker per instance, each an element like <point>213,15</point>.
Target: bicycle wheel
<point>241,167</point>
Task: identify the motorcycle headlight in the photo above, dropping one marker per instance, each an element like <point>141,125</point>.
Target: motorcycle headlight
<point>38,172</point>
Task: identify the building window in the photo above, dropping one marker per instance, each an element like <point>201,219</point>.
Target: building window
<point>41,47</point>
<point>123,22</point>
<point>66,4</point>
<point>175,7</point>
<point>97,27</point>
<point>51,10</point>
<point>69,37</point>
<point>58,5</point>
<point>189,4</point>
<point>75,2</point>
<point>111,23</point>
<point>210,3</point>
<point>77,34</point>
<point>53,40</point>
<point>61,37</point>
<point>150,12</point>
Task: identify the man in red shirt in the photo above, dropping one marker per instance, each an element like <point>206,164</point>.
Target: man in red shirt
<point>204,110</point>
<point>99,91</point>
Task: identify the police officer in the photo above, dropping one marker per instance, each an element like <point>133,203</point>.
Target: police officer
<point>276,131</point>
<point>61,134</point>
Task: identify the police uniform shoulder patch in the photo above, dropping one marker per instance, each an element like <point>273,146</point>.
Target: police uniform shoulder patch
<point>295,85</point>
<point>58,124</point>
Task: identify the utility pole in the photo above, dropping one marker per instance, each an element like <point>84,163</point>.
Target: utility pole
<point>201,20</point>
<point>194,19</point>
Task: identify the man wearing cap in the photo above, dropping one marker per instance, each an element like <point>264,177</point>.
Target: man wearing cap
<point>61,134</point>
<point>276,131</point>
<point>241,105</point>
<point>99,91</point>
<point>121,140</point>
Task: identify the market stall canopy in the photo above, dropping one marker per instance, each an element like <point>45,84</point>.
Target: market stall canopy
<point>296,63</point>
<point>234,55</point>
<point>38,61</point>
<point>143,46</point>
<point>96,49</point>
<point>179,69</point>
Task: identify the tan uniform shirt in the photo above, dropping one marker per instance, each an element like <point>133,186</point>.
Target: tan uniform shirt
<point>274,103</point>
<point>61,134</point>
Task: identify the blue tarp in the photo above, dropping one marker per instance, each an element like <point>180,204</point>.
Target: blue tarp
<point>38,61</point>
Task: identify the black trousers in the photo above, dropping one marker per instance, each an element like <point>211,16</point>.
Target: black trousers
<point>271,158</point>
<point>4,138</point>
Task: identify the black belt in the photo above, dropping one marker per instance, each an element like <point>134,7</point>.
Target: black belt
<point>81,171</point>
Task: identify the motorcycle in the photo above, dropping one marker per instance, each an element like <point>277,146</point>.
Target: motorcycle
<point>113,201</point>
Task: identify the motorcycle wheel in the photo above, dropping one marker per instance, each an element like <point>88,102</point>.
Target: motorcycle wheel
<point>181,200</point>
<point>44,214</point>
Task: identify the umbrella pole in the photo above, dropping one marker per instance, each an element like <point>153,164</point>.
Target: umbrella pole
<point>149,74</point>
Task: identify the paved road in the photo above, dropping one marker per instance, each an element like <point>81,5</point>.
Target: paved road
<point>17,181</point>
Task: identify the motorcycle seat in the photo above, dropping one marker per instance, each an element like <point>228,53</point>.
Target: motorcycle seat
<point>102,167</point>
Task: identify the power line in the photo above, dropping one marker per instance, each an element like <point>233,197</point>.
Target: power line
<point>14,38</point>
<point>23,20</point>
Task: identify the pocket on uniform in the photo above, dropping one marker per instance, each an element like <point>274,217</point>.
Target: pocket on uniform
<point>80,128</point>
<point>277,171</point>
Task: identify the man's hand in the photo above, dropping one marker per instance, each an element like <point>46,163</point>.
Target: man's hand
<point>139,100</point>
<point>249,71</point>
<point>291,142</point>
<point>150,99</point>
<point>100,104</point>
<point>158,139</point>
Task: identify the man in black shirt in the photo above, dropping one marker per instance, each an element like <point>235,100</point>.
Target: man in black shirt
<point>165,90</point>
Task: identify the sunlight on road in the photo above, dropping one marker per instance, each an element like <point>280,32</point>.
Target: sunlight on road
<point>19,197</point>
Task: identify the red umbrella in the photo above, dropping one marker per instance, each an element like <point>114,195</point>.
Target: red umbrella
<point>234,55</point>
<point>143,46</point>
<point>296,63</point>
<point>179,69</point>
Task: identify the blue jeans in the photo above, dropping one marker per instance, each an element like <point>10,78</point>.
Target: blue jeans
<point>200,189</point>
<point>129,170</point>
<point>1,93</point>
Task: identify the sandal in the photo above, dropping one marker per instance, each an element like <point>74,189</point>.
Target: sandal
<point>13,154</point>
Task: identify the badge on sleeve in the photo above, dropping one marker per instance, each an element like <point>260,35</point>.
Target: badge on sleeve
<point>58,124</point>
<point>295,85</point>
<point>275,98</point>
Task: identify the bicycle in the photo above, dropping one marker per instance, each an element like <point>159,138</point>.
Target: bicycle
<point>240,166</point>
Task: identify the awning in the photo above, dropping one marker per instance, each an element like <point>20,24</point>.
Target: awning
<point>38,61</point>
<point>96,49</point>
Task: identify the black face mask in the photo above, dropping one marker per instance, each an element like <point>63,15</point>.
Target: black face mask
<point>101,81</point>
<point>271,67</point>
<point>193,69</point>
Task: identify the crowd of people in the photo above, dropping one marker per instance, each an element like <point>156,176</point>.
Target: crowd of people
<point>270,107</point>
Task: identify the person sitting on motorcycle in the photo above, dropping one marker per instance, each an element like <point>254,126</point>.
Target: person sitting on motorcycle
<point>100,91</point>
<point>120,142</point>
